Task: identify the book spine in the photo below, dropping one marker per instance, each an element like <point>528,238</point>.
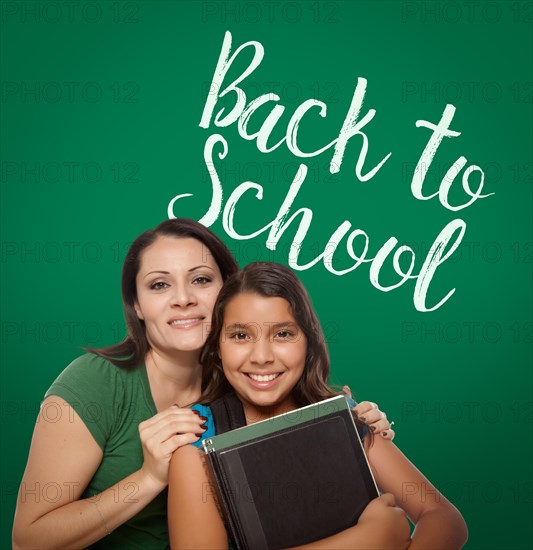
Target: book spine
<point>223,491</point>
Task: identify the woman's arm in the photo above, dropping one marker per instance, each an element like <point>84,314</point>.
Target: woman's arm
<point>438,524</point>
<point>63,458</point>
<point>376,420</point>
<point>194,521</point>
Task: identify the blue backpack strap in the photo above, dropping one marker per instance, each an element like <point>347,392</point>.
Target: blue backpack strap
<point>204,411</point>
<point>228,413</point>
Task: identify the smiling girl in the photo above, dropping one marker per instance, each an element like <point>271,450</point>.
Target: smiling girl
<point>266,345</point>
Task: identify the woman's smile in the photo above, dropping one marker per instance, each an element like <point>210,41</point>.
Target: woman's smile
<point>185,323</point>
<point>177,285</point>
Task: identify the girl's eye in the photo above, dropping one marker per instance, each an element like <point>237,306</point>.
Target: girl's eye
<point>239,336</point>
<point>202,280</point>
<point>286,335</point>
<point>159,285</point>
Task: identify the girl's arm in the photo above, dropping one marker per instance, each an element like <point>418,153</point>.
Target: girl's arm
<point>193,518</point>
<point>438,524</point>
<point>194,521</point>
<point>63,459</point>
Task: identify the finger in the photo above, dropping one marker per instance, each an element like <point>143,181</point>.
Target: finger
<point>156,418</point>
<point>373,416</point>
<point>177,441</point>
<point>173,409</point>
<point>162,433</point>
<point>379,425</point>
<point>364,407</point>
<point>388,434</point>
<point>169,415</point>
<point>387,499</point>
<point>178,427</point>
<point>347,391</point>
<point>400,512</point>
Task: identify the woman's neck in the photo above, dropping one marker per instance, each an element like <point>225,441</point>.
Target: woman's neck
<point>174,379</point>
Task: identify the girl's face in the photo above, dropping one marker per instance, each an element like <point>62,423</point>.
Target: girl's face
<point>262,350</point>
<point>177,285</point>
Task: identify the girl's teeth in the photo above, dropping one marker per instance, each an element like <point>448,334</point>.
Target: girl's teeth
<point>263,378</point>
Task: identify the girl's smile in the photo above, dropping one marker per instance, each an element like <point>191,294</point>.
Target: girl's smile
<point>262,350</point>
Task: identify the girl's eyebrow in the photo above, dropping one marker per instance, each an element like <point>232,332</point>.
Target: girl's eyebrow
<point>274,326</point>
<point>237,326</point>
<point>283,324</point>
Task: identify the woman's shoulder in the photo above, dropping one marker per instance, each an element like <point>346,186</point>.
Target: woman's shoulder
<point>91,374</point>
<point>97,390</point>
<point>93,365</point>
<point>88,366</point>
<point>91,360</point>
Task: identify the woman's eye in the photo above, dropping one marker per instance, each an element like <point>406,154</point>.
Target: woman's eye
<point>202,280</point>
<point>239,336</point>
<point>159,285</point>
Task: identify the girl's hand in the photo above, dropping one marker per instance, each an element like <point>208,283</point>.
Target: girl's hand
<point>162,434</point>
<point>377,420</point>
<point>387,522</point>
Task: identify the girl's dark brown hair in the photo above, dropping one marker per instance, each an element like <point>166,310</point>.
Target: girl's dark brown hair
<point>132,350</point>
<point>270,279</point>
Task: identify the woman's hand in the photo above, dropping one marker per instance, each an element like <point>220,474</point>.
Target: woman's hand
<point>377,420</point>
<point>162,434</point>
<point>387,522</point>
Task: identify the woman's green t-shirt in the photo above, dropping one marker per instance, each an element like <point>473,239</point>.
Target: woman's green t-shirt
<point>112,402</point>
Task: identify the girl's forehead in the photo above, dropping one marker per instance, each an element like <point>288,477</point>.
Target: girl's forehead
<point>248,307</point>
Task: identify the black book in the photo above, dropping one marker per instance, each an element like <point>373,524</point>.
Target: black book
<point>292,479</point>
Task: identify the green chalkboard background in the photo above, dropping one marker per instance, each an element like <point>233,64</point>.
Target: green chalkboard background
<point>101,104</point>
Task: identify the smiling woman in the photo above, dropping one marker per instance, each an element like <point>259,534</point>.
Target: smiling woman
<point>112,457</point>
<point>177,286</point>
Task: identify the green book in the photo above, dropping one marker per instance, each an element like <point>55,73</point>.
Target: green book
<point>292,479</point>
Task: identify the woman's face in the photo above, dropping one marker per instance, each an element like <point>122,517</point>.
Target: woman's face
<point>262,350</point>
<point>177,285</point>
